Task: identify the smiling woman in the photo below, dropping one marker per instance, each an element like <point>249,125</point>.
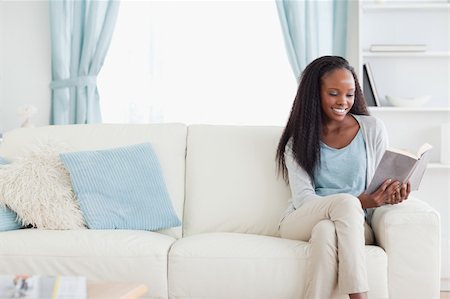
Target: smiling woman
<point>197,62</point>
<point>327,153</point>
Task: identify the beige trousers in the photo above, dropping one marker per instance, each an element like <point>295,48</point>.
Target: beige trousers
<point>336,230</point>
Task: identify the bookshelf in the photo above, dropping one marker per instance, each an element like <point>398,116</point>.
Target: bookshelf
<point>407,74</point>
<point>411,74</point>
<point>397,5</point>
<point>428,54</point>
<point>409,109</point>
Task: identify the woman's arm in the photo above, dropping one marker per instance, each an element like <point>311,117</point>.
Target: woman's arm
<point>302,188</point>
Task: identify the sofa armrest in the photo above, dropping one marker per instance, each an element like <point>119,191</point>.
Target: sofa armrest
<point>410,235</point>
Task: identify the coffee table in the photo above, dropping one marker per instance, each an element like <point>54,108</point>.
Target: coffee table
<point>115,290</point>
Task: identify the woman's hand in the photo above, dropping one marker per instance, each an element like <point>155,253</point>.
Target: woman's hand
<point>390,192</point>
<point>400,194</point>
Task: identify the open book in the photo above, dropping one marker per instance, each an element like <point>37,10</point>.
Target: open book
<point>402,166</point>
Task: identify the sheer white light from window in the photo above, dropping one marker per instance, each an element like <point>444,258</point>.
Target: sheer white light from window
<point>216,62</point>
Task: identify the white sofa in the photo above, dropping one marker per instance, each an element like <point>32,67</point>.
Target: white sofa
<point>224,187</point>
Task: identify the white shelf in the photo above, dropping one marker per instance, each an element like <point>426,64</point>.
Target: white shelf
<point>427,54</point>
<point>438,166</point>
<point>405,6</point>
<point>409,109</point>
<point>411,73</point>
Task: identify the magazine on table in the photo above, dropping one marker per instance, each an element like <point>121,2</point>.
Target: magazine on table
<point>42,287</point>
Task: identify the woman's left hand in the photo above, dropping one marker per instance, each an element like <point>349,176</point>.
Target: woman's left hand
<point>399,195</point>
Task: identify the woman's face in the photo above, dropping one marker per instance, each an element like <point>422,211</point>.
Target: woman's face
<point>337,94</point>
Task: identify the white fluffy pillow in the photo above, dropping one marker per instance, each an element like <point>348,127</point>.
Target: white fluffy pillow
<point>37,187</point>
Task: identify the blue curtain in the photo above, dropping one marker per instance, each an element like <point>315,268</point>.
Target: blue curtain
<point>81,32</point>
<point>312,29</point>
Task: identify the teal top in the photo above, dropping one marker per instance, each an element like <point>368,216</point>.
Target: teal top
<point>342,170</point>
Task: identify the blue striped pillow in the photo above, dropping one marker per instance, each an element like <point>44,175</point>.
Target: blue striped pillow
<point>8,218</point>
<point>121,188</point>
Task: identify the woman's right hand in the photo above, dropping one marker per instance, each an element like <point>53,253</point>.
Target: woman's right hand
<point>383,195</point>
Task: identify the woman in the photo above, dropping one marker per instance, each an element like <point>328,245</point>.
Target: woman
<point>328,153</point>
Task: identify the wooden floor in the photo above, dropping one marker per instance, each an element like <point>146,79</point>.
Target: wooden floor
<point>445,295</point>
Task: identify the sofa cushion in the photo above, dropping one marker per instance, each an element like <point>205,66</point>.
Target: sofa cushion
<point>99,255</point>
<point>231,180</point>
<point>8,218</point>
<point>205,265</point>
<point>121,188</point>
<point>37,187</point>
<point>168,140</point>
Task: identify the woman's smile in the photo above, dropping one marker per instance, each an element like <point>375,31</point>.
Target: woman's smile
<point>340,111</point>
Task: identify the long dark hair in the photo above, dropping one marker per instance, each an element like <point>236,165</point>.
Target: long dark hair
<point>305,120</point>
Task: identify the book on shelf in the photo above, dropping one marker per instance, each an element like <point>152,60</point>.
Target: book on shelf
<point>42,287</point>
<point>398,48</point>
<point>369,88</point>
<point>403,166</point>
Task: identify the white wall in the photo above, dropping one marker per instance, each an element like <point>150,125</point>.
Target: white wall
<point>25,61</point>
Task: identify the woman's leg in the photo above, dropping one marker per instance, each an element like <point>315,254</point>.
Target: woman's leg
<point>348,217</point>
<point>322,261</point>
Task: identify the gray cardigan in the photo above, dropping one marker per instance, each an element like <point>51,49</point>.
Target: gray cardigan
<point>302,187</point>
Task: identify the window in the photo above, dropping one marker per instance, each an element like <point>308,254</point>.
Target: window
<point>214,62</point>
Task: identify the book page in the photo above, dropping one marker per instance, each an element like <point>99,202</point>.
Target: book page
<point>403,152</point>
<point>423,149</point>
<point>419,171</point>
<point>395,166</point>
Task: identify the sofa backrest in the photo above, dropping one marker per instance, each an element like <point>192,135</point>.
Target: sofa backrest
<point>168,140</point>
<point>231,180</point>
